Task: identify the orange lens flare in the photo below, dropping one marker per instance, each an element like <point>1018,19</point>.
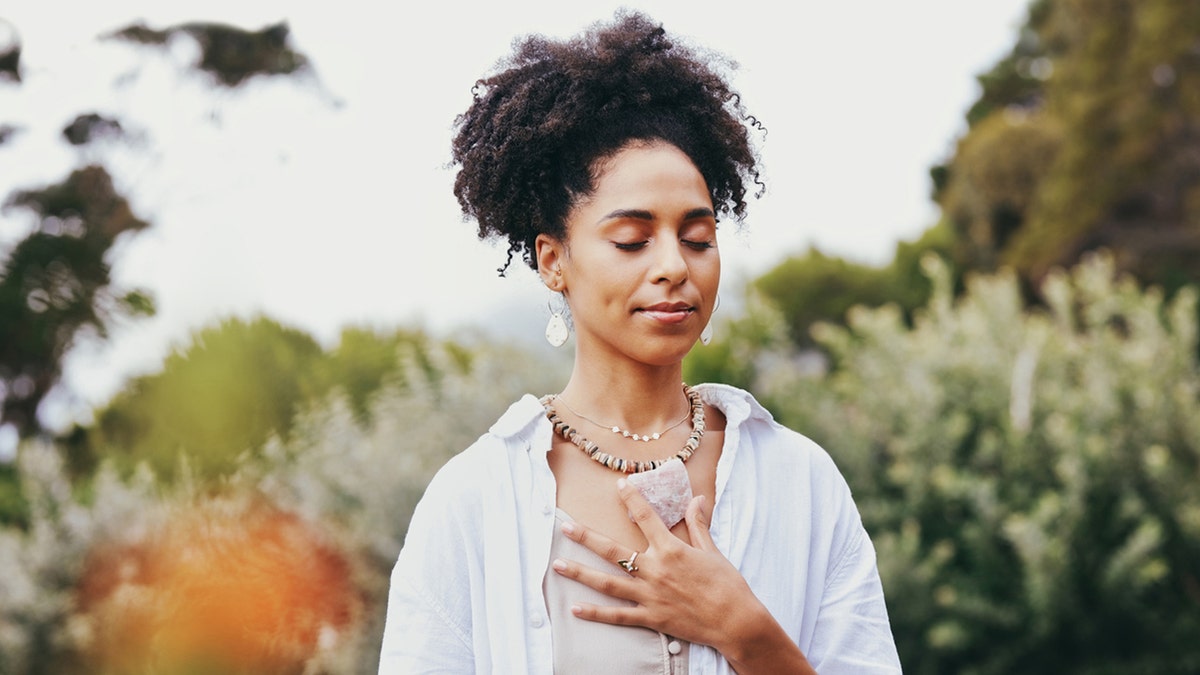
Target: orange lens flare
<point>224,586</point>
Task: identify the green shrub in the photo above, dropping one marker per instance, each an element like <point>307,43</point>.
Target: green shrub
<point>1029,477</point>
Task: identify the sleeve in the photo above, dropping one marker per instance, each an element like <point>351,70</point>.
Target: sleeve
<point>428,626</point>
<point>419,637</point>
<point>852,634</point>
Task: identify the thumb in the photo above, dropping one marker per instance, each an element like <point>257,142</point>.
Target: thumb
<point>699,518</point>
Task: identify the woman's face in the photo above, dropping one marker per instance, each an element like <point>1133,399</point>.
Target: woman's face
<point>640,267</point>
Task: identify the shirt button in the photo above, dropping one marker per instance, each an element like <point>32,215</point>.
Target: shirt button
<point>536,621</point>
<point>546,509</point>
<point>674,647</point>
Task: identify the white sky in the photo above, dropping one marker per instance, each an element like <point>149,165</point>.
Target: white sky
<point>327,202</point>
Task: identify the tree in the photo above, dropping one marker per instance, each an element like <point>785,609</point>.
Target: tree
<point>814,288</point>
<point>10,53</point>
<point>233,387</point>
<point>1086,137</point>
<point>365,360</point>
<point>55,284</point>
<point>232,55</point>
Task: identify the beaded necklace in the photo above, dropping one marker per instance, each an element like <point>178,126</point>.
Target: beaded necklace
<point>626,465</point>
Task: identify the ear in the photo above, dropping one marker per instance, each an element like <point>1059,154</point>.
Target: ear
<point>550,253</point>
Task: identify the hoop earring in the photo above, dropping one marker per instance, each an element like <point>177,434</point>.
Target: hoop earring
<point>706,335</point>
<point>557,330</point>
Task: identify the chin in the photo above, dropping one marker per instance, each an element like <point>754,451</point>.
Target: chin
<point>665,357</point>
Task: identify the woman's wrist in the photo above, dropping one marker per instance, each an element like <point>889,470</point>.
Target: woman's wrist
<point>760,645</point>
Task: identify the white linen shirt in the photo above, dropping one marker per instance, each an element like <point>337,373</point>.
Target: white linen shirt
<point>466,591</point>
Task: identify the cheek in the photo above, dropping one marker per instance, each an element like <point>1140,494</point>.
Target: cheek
<point>617,293</point>
<point>708,272</point>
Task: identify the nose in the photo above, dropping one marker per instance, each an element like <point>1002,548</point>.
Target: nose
<point>669,263</point>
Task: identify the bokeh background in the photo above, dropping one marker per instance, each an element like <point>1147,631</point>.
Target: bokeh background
<point>242,322</point>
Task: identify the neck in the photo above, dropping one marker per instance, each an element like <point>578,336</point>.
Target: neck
<point>631,395</point>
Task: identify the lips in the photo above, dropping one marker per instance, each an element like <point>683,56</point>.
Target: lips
<point>668,312</point>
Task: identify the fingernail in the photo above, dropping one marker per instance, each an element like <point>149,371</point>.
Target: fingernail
<point>568,528</point>
<point>576,610</point>
<point>559,564</point>
<point>620,483</point>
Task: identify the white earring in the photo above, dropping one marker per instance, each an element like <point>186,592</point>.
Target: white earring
<point>557,329</point>
<point>706,335</point>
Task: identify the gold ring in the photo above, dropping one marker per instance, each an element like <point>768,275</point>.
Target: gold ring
<point>631,564</point>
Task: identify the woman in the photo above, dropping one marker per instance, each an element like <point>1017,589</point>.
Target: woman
<point>605,161</point>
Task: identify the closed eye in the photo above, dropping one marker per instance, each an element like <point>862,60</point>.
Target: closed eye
<point>635,246</point>
<point>698,245</point>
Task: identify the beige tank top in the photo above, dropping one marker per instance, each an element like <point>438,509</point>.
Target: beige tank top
<point>590,647</point>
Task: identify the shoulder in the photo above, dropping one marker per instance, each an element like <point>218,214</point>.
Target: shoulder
<point>467,476</point>
<point>779,465</point>
<point>756,427</point>
<point>470,491</point>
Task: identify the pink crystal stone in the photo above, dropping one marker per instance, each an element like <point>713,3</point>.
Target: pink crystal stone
<point>667,488</point>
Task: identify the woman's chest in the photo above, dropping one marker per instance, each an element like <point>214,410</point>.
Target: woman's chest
<point>588,491</point>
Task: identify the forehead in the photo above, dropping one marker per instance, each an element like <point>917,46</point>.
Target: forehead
<point>649,172</point>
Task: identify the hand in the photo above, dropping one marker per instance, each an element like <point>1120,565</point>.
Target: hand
<point>690,592</point>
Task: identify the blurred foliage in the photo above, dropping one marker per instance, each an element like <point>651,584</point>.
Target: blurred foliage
<point>239,383</point>
<point>117,577</point>
<point>55,284</point>
<point>995,176</point>
<point>10,53</point>
<point>91,127</point>
<point>230,389</point>
<point>13,509</point>
<point>43,562</point>
<point>1028,476</point>
<point>1015,82</point>
<point>364,360</point>
<point>232,55</point>
<point>746,347</point>
<point>816,287</point>
<point>1086,136</point>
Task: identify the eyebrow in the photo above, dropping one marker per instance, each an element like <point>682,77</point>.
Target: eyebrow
<point>641,214</point>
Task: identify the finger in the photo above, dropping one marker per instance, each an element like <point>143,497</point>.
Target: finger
<point>612,585</point>
<point>642,514</point>
<point>620,616</point>
<point>699,520</point>
<point>599,544</point>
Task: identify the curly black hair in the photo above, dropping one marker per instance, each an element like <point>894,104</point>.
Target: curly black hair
<point>530,144</point>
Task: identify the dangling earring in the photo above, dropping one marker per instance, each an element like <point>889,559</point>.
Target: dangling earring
<point>557,329</point>
<point>707,334</point>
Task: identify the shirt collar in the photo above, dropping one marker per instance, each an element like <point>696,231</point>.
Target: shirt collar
<point>520,419</point>
<point>737,404</point>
